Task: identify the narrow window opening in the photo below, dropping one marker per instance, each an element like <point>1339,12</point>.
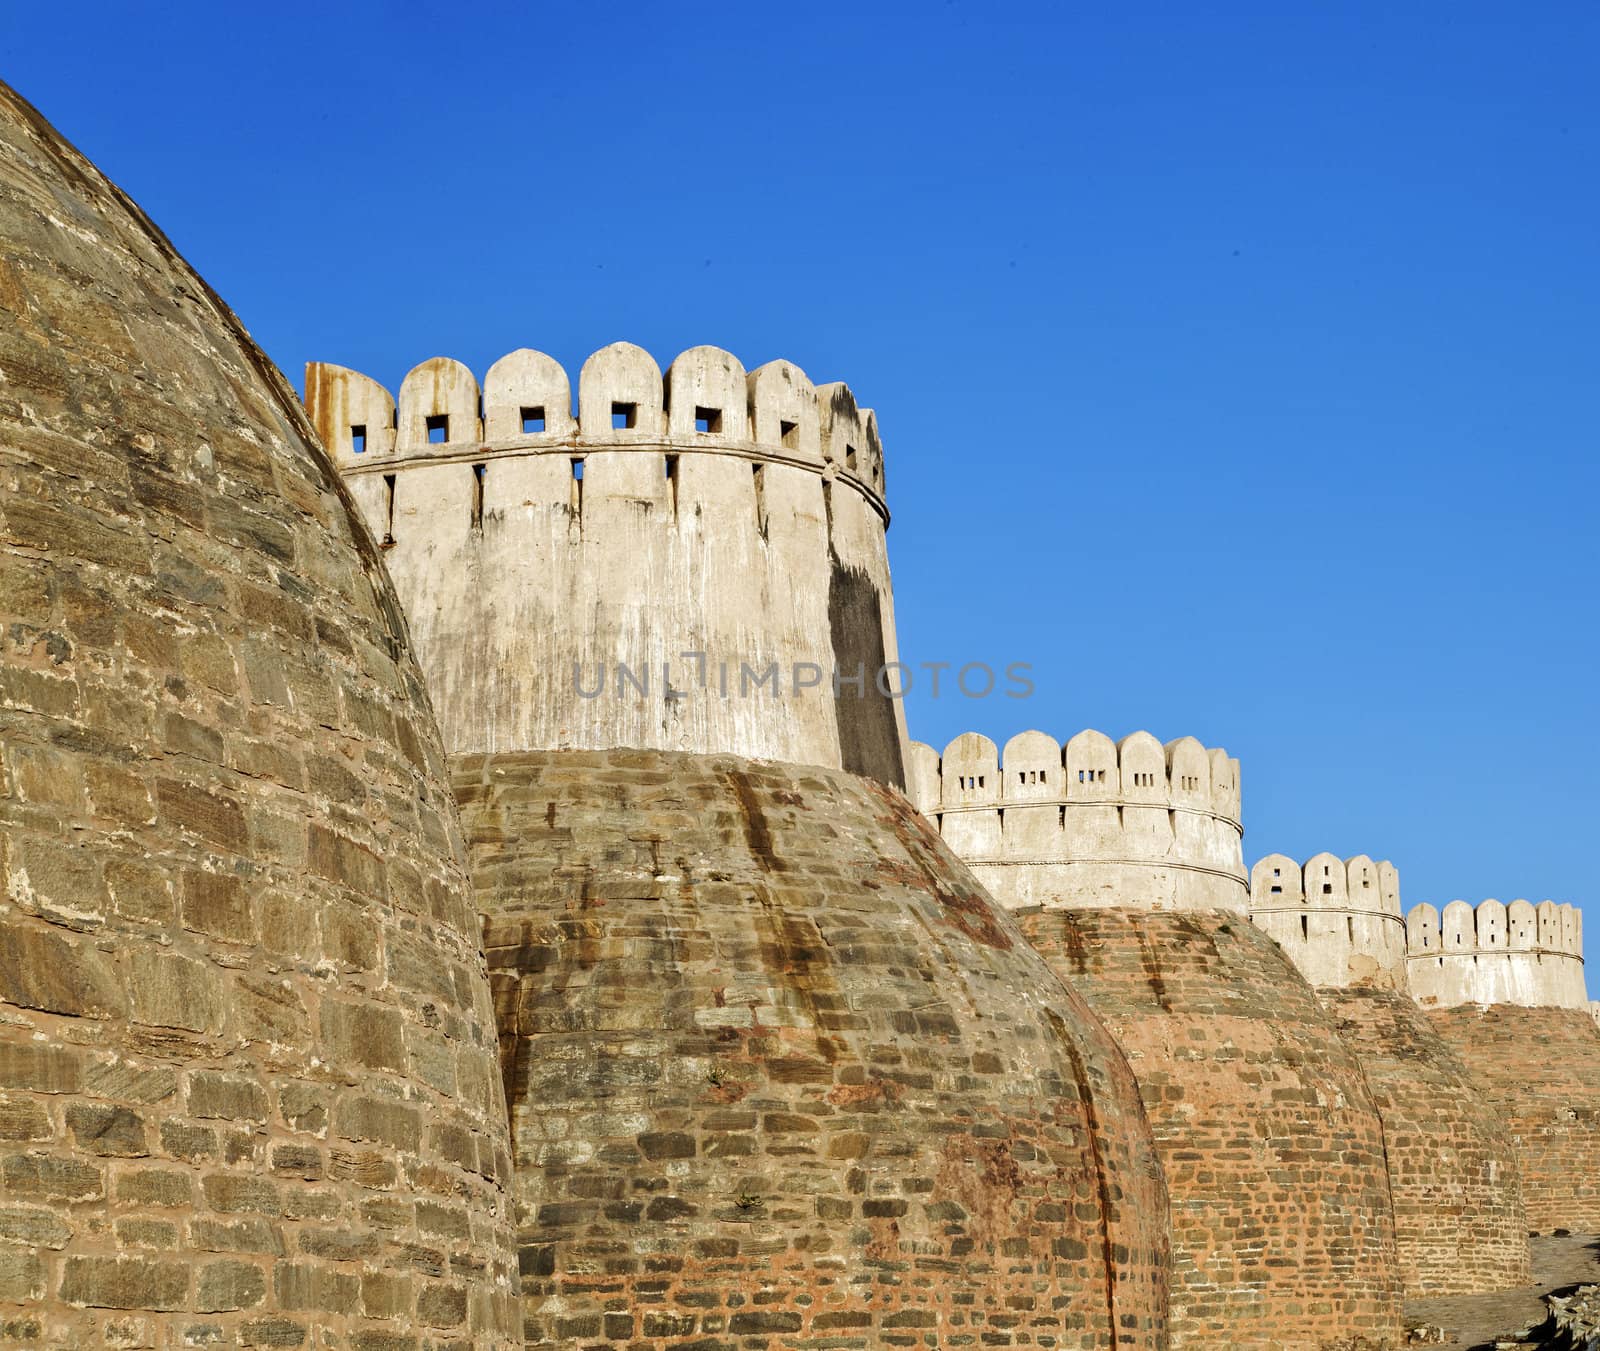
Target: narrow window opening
<point>624,416</point>
<point>532,420</point>
<point>708,420</point>
<point>1305,926</point>
<point>479,471</point>
<point>438,429</point>
<point>1061,817</point>
<point>789,434</point>
<point>672,481</point>
<point>358,438</point>
<point>577,486</point>
<point>761,498</point>
<point>1080,776</point>
<point>387,542</point>
<point>1277,891</point>
<point>1327,888</point>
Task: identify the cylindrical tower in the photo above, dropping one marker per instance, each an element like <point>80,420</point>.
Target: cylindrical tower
<point>695,563</point>
<point>778,1068</point>
<point>1504,986</point>
<point>1122,863</point>
<point>1460,1225</point>
<point>247,1054</point>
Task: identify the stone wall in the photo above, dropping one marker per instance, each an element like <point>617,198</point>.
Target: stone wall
<point>1089,823</point>
<point>781,1075</point>
<point>1460,1224</point>
<point>1282,1226</point>
<point>247,1072</point>
<point>1539,1073</point>
<point>1496,954</point>
<point>537,555</point>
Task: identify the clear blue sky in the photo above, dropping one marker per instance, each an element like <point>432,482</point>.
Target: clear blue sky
<point>1236,366</point>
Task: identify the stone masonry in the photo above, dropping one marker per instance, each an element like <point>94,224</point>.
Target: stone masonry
<point>1539,1072</point>
<point>247,1057</point>
<point>1282,1226</point>
<point>781,1075</point>
<point>1460,1224</point>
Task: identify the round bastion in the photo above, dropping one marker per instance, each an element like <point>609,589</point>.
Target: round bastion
<point>694,561</point>
<point>248,1087</point>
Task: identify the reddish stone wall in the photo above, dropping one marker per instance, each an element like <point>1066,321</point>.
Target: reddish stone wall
<point>247,1056</point>
<point>1460,1226</point>
<point>781,1075</point>
<point>1282,1230</point>
<point>1539,1070</point>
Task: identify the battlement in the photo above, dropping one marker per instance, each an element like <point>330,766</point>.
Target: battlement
<point>680,562</point>
<point>1094,822</point>
<point>1494,953</point>
<point>1339,920</point>
<point>705,404</point>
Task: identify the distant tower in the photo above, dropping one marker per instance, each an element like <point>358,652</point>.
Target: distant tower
<point>1460,1225</point>
<point>685,566</point>
<point>778,1070</point>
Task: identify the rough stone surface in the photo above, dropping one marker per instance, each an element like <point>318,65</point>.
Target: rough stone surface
<point>739,517</point>
<point>1282,1227</point>
<point>781,1075</point>
<point>246,1040</point>
<point>1539,1072</point>
<point>1460,1226</point>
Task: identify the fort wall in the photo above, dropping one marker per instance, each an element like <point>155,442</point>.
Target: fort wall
<point>1283,1233</point>
<point>683,565</point>
<point>1091,823</point>
<point>248,1088</point>
<point>1538,1070</point>
<point>781,1074</point>
<point>1494,953</point>
<point>1338,919</point>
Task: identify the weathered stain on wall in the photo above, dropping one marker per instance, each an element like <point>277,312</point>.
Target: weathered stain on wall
<point>778,1068</point>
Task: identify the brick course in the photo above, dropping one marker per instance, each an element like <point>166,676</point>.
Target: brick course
<point>1282,1229</point>
<point>781,1075</point>
<point>1460,1226</point>
<point>1539,1072</point>
<point>245,1032</point>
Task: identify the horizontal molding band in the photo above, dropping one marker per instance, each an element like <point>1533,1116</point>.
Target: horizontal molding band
<point>577,446</point>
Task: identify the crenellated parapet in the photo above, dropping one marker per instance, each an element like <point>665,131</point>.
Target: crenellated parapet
<point>1091,823</point>
<point>683,562</point>
<point>1339,920</point>
<point>1493,953</point>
